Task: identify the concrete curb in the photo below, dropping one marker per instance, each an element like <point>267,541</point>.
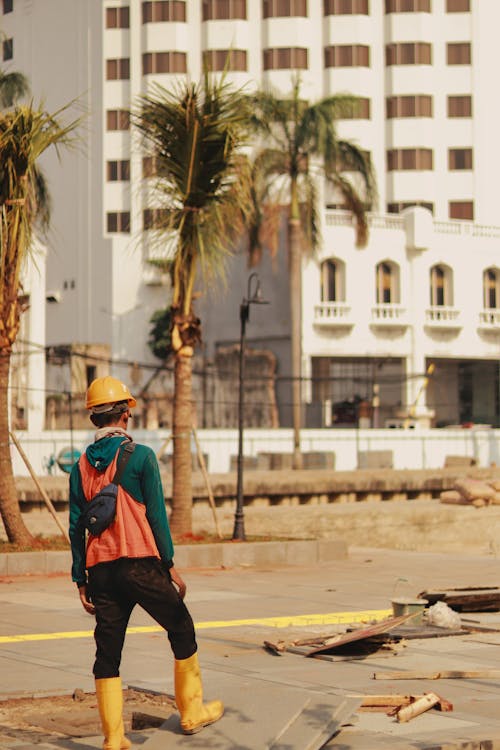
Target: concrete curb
<point>218,555</point>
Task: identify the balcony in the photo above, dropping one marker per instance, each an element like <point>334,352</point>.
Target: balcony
<point>489,320</point>
<point>443,318</point>
<point>389,315</point>
<point>332,315</point>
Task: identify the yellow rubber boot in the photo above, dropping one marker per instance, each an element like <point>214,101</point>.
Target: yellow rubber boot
<point>110,702</point>
<point>189,697</point>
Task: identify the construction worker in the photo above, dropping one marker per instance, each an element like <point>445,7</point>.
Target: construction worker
<point>129,563</point>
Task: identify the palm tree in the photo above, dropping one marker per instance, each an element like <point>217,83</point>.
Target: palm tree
<point>300,145</point>
<point>25,134</point>
<point>195,134</point>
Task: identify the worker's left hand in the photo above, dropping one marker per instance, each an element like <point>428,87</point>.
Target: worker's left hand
<point>177,581</point>
<point>86,603</point>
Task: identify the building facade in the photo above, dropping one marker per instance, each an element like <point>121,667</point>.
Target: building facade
<point>426,115</point>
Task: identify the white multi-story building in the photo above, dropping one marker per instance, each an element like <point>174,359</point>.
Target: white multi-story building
<point>426,291</point>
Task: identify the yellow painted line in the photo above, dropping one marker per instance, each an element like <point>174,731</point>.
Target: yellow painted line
<point>331,618</point>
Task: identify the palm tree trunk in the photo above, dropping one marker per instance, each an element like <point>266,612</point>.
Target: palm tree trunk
<point>181,519</point>
<point>10,512</point>
<point>296,335</point>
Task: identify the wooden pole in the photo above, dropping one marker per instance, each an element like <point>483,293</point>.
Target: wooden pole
<point>444,674</point>
<point>42,492</point>
<point>163,447</point>
<point>203,468</point>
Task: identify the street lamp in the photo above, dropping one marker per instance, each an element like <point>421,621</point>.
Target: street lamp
<point>253,298</point>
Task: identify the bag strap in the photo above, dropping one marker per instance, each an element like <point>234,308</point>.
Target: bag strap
<point>128,449</point>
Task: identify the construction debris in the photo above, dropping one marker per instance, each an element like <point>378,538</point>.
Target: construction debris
<point>467,599</point>
<point>476,492</point>
<point>392,704</point>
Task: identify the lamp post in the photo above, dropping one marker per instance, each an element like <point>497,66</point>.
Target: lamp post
<point>253,298</point>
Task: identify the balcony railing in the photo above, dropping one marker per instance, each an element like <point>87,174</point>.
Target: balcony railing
<point>441,316</point>
<point>390,315</point>
<point>332,314</point>
<point>489,319</point>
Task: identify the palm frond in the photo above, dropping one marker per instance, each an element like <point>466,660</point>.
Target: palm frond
<point>25,134</point>
<point>196,133</point>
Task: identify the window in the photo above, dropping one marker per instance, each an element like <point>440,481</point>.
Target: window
<point>396,208</point>
<point>407,6</point>
<point>7,49</point>
<point>222,59</point>
<point>164,10</point>
<point>461,210</point>
<point>458,53</point>
<point>118,18</point>
<point>224,10</point>
<point>164,62</point>
<point>118,222</point>
<point>332,274</point>
<point>117,119</point>
<point>440,287</point>
<point>118,171</point>
<point>457,6</point>
<point>118,70</point>
<point>491,287</point>
<point>409,158</point>
<point>460,106</point>
<point>346,7</point>
<point>285,58</point>
<point>408,53</point>
<point>359,110</point>
<point>155,218</point>
<point>409,106</point>
<point>459,158</point>
<point>347,56</point>
<point>387,291</point>
<point>8,6</point>
<point>284,8</point>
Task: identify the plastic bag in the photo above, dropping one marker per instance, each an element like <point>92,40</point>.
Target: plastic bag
<point>442,616</point>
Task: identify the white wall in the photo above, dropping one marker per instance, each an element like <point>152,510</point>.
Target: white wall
<point>412,449</point>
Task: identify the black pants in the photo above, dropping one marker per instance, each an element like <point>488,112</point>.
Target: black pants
<point>115,588</point>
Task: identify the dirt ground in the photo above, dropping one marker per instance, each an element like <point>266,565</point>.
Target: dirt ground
<point>41,717</point>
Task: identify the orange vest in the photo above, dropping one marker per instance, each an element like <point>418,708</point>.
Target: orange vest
<point>130,534</point>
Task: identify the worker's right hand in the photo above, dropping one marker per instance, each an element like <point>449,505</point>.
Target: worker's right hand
<point>84,598</point>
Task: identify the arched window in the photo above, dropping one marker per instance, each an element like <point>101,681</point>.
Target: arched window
<point>387,283</point>
<point>491,287</point>
<point>332,281</point>
<point>441,286</point>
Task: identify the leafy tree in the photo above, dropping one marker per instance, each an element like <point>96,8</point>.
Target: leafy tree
<point>300,145</point>
<point>26,133</point>
<point>195,133</point>
<point>13,87</point>
<point>160,340</point>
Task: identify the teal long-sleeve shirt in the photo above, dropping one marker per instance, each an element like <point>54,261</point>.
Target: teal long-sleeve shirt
<point>141,479</point>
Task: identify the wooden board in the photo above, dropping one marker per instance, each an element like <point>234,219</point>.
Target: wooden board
<point>379,628</point>
<point>444,674</point>
<point>467,599</point>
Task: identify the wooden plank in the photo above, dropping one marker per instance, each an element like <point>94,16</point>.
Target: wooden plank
<point>466,599</point>
<point>453,674</point>
<point>361,633</point>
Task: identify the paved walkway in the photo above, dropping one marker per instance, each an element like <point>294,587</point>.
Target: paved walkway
<point>46,646</point>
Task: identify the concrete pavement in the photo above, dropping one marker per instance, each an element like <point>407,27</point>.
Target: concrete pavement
<point>46,646</point>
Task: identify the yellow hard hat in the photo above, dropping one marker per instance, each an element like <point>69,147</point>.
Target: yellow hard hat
<point>108,390</point>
